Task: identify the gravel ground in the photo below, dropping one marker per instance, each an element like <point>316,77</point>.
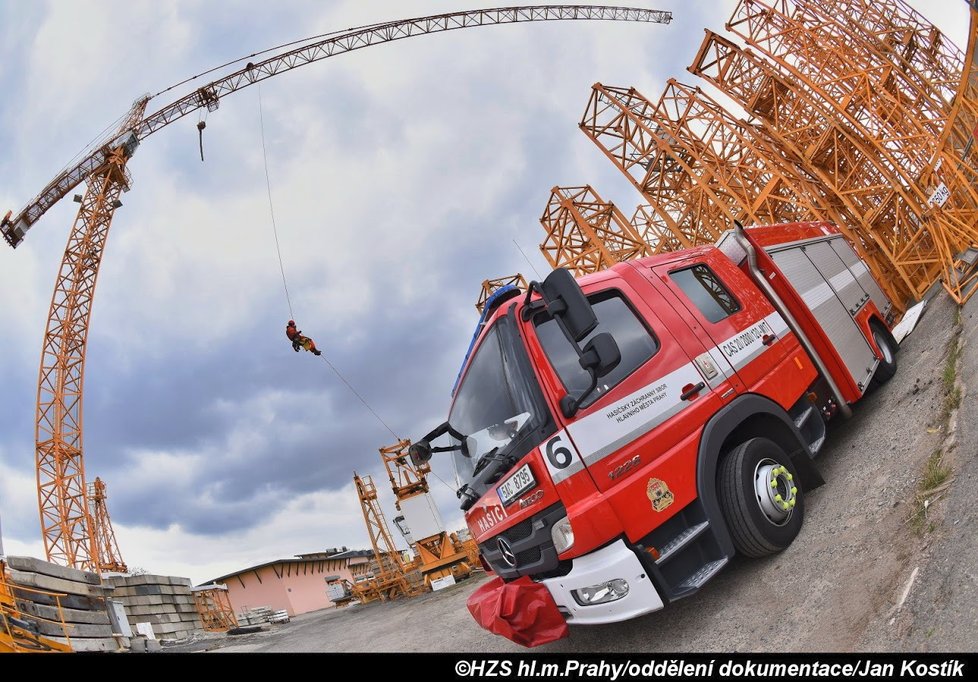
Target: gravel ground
<point>837,588</point>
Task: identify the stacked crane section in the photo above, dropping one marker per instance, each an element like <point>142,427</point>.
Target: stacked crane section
<point>865,93</point>
<point>585,233</point>
<point>886,212</point>
<point>491,286</point>
<point>107,554</point>
<point>857,115</point>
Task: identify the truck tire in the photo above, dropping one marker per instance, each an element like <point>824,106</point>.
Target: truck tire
<point>887,366</point>
<point>760,496</point>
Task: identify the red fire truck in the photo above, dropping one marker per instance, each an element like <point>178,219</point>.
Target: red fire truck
<point>621,436</point>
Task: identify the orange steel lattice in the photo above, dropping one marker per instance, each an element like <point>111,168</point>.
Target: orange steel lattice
<point>65,521</point>
<point>846,162</point>
<point>441,554</point>
<point>701,168</point>
<point>108,556</point>
<point>390,581</point>
<point>490,286</point>
<point>407,479</point>
<point>859,95</point>
<point>214,607</point>
<point>585,233</point>
<point>885,109</point>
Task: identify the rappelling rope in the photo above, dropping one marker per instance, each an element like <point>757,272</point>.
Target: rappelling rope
<point>288,297</point>
<point>271,208</point>
<point>357,394</point>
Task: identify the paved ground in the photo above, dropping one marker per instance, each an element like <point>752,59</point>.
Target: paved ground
<point>837,588</point>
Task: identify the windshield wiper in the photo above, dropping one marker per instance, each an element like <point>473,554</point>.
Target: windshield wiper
<point>485,460</point>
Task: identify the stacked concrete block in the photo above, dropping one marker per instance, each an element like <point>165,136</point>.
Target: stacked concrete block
<point>255,616</point>
<point>37,589</point>
<point>165,602</point>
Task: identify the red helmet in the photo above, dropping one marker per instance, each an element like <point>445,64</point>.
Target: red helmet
<point>291,323</point>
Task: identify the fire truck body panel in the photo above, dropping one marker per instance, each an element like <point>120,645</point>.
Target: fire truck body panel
<point>713,363</point>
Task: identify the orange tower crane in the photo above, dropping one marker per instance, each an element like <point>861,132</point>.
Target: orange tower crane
<point>66,523</point>
<point>109,558</point>
<point>441,553</point>
<point>390,581</point>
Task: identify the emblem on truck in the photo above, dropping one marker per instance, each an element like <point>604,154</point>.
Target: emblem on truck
<point>506,550</point>
<point>659,494</point>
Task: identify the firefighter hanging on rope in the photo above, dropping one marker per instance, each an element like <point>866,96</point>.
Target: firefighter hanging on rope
<point>300,341</point>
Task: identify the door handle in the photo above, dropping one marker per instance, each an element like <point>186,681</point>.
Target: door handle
<point>768,339</point>
<point>692,391</point>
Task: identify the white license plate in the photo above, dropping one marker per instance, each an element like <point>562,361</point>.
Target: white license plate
<point>517,484</point>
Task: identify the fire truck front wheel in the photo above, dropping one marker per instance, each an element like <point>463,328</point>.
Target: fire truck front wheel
<point>760,497</point>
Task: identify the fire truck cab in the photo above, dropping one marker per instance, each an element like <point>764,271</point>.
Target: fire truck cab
<point>621,436</point>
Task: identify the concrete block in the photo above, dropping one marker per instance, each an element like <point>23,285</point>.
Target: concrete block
<point>45,582</point>
<point>32,565</point>
<point>84,645</point>
<point>118,618</point>
<point>147,579</point>
<point>137,645</point>
<point>155,599</point>
<point>153,646</point>
<point>70,615</point>
<point>73,630</point>
<point>71,601</point>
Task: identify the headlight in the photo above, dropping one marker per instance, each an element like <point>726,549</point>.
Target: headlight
<point>602,593</point>
<point>562,535</point>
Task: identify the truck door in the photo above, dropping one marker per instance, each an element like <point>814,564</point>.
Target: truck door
<point>639,427</point>
<point>716,297</point>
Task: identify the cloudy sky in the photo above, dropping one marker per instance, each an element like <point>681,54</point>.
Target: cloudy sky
<point>401,176</point>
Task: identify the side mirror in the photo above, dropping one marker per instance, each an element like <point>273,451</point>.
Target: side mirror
<point>600,356</point>
<point>566,300</point>
<point>420,452</point>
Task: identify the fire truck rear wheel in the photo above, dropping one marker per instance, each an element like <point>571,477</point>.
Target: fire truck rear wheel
<point>888,364</point>
<point>761,497</point>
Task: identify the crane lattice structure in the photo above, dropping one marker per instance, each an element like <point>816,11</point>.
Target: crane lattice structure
<point>66,524</point>
<point>109,558</point>
<point>491,286</point>
<point>700,168</point>
<point>390,579</point>
<point>440,554</point>
<point>585,233</point>
<point>860,112</point>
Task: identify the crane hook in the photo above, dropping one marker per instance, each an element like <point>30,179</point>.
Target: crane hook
<point>200,134</point>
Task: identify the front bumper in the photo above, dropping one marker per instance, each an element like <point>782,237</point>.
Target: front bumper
<point>614,561</point>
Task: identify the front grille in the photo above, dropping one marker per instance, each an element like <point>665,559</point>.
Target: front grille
<point>521,531</point>
<point>531,543</point>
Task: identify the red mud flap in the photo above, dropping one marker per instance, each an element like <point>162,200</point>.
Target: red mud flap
<point>522,611</point>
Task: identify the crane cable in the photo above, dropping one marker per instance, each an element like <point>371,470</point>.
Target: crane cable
<point>285,284</point>
<point>271,208</point>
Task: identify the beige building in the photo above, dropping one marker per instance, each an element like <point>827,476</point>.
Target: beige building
<point>294,585</point>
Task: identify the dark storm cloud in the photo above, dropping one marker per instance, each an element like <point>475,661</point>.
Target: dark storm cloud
<point>187,402</point>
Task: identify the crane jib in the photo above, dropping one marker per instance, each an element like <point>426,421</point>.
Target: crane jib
<point>208,96</point>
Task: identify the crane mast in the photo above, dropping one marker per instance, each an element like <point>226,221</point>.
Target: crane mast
<point>442,555</point>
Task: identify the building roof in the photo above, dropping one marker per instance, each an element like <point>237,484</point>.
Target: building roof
<point>328,555</point>
<point>353,554</point>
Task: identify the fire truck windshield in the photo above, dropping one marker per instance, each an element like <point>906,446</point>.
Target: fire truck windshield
<point>497,405</point>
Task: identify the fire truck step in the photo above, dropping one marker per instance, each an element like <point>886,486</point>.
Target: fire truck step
<point>698,579</point>
<point>811,426</point>
<point>674,546</point>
